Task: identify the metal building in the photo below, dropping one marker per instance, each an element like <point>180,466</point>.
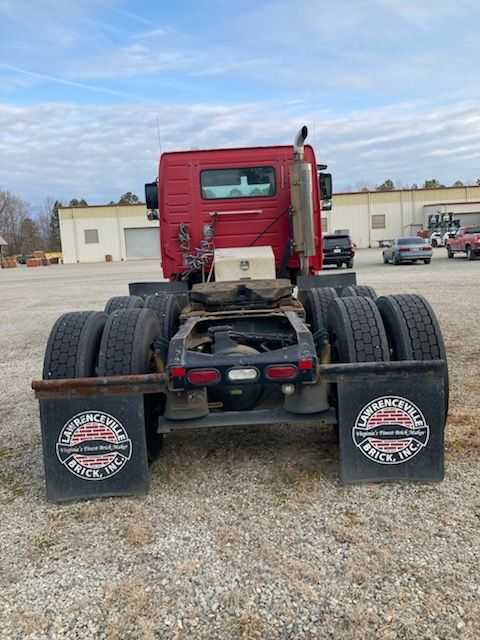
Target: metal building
<point>373,216</point>
<point>90,233</point>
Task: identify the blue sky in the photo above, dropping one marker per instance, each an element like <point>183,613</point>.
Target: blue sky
<point>91,90</point>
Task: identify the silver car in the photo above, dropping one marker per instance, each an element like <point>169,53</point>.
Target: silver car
<point>408,250</point>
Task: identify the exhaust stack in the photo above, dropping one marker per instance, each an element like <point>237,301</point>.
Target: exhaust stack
<point>299,143</point>
<point>301,190</point>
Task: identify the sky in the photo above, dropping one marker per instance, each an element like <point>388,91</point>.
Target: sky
<point>92,91</point>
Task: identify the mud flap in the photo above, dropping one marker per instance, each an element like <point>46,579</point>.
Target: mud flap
<point>391,419</point>
<point>94,446</point>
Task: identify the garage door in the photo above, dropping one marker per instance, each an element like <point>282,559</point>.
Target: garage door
<point>142,243</point>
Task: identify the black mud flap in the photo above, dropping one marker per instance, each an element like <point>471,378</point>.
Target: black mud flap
<point>93,436</point>
<point>144,289</point>
<point>391,421</point>
<point>336,280</point>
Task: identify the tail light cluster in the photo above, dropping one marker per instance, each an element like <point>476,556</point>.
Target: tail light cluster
<point>427,247</point>
<point>211,376</point>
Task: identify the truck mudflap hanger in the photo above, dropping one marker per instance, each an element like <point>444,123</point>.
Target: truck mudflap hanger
<point>390,422</point>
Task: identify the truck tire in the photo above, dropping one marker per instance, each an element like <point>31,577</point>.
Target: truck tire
<point>356,331</point>
<point>123,302</point>
<point>316,305</point>
<point>450,253</point>
<point>168,309</point>
<point>469,253</point>
<point>349,264</point>
<point>73,345</point>
<point>126,346</point>
<point>359,290</point>
<point>413,331</point>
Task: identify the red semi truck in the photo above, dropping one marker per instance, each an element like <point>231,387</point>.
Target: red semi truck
<point>246,330</point>
<point>467,241</point>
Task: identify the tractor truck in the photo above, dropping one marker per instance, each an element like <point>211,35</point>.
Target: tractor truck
<point>244,330</point>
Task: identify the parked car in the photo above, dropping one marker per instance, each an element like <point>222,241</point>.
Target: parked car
<point>437,239</point>
<point>338,249</point>
<point>411,249</point>
<point>467,241</point>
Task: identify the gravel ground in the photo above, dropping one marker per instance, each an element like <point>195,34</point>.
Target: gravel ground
<point>248,533</point>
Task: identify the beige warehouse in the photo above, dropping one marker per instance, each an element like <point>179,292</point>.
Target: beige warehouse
<point>373,216</point>
<point>90,233</point>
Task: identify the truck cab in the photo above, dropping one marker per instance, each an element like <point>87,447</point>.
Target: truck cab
<point>234,198</point>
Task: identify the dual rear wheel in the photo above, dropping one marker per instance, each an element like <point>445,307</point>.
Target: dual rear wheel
<point>132,338</point>
<point>364,328</point>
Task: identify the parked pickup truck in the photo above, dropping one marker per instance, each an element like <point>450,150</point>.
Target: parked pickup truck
<point>467,241</point>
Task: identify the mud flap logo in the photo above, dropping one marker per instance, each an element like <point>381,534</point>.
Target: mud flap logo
<point>390,430</point>
<point>94,445</point>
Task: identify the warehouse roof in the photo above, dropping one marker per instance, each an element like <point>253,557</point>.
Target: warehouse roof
<point>349,193</point>
<point>96,206</point>
<point>450,204</point>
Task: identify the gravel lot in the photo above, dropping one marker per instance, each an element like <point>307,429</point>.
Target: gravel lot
<point>248,533</point>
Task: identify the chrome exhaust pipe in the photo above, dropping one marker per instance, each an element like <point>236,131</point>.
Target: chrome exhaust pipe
<point>299,142</point>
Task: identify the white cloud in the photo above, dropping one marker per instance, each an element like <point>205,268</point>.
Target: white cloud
<point>132,60</point>
<point>99,152</point>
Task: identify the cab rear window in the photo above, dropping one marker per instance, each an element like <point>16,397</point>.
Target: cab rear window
<point>246,182</point>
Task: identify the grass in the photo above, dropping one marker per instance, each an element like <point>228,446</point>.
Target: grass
<point>462,434</point>
<point>10,482</point>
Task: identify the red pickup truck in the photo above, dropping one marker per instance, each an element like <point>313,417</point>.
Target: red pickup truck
<point>466,240</point>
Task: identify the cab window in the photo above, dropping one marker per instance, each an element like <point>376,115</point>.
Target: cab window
<point>246,182</point>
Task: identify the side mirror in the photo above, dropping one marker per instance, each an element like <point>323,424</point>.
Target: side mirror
<point>325,183</point>
<point>151,200</point>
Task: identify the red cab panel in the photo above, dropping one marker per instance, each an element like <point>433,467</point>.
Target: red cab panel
<point>244,192</point>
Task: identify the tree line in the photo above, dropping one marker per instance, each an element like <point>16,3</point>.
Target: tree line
<point>25,232</point>
<point>433,183</point>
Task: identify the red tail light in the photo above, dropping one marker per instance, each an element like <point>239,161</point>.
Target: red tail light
<point>281,372</point>
<point>427,248</point>
<point>305,364</point>
<point>404,249</point>
<point>203,377</point>
<point>178,372</point>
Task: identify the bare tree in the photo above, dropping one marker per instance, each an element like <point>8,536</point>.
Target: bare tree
<point>13,212</point>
